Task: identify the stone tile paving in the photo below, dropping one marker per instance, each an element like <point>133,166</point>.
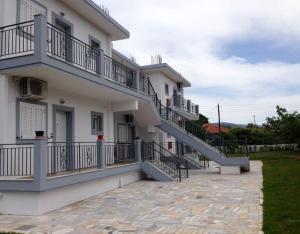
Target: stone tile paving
<point>205,203</point>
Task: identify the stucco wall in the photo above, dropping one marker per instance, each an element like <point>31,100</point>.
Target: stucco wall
<point>34,203</point>
<point>82,114</point>
<point>81,27</point>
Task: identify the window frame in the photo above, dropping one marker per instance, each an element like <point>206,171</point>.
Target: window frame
<point>18,118</point>
<point>167,89</point>
<point>18,15</point>
<point>97,114</point>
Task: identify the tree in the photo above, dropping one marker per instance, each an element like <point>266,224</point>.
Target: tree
<point>285,126</point>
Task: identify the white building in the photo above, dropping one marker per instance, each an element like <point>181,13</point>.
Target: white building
<point>95,109</point>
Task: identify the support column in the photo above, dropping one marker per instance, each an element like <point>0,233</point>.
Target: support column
<point>4,125</point>
<point>137,81</point>
<point>138,149</point>
<point>189,105</point>
<point>102,63</point>
<point>40,36</point>
<point>40,161</point>
<point>100,155</point>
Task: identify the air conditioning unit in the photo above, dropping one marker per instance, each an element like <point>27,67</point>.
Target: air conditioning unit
<point>128,118</point>
<point>34,89</point>
<point>179,85</point>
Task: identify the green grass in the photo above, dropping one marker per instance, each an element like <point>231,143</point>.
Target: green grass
<point>281,188</point>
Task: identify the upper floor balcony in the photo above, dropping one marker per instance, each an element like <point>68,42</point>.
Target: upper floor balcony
<point>187,105</point>
<point>39,42</point>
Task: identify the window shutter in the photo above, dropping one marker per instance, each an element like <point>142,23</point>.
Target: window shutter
<point>33,117</point>
<point>28,9</point>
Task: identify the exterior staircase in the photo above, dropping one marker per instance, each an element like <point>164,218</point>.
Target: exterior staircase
<point>162,165</point>
<point>192,135</point>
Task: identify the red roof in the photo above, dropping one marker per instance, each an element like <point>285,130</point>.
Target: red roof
<point>212,128</point>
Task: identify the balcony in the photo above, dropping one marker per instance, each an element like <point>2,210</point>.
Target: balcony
<point>185,106</point>
<point>22,165</point>
<point>40,43</point>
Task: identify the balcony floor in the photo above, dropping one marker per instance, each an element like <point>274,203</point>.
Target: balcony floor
<point>205,203</point>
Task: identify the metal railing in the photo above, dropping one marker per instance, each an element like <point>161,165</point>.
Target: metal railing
<point>16,39</point>
<point>119,153</point>
<point>187,152</point>
<point>184,104</point>
<point>71,157</point>
<point>118,72</point>
<point>16,160</point>
<point>70,49</point>
<point>166,161</point>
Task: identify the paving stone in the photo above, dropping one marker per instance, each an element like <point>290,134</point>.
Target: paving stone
<point>206,202</point>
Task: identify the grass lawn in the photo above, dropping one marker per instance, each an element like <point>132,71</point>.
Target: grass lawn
<point>281,188</point>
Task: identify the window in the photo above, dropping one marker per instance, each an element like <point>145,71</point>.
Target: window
<point>29,8</point>
<point>33,117</point>
<point>166,89</point>
<point>97,123</point>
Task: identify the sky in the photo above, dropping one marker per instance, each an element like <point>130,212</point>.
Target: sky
<point>243,55</point>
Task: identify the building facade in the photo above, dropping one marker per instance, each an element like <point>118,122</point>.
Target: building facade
<point>79,118</point>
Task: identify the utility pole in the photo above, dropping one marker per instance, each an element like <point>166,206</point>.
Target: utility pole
<point>254,121</point>
<point>219,117</point>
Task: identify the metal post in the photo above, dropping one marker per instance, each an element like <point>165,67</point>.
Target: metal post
<point>187,169</point>
<point>219,121</point>
<point>179,174</point>
<point>40,161</point>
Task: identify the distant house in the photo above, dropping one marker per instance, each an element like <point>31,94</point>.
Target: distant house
<point>213,128</point>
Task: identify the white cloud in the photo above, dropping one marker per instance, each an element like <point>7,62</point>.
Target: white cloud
<point>188,33</point>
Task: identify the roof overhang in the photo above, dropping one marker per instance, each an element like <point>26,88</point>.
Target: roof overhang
<point>93,13</point>
<point>168,71</point>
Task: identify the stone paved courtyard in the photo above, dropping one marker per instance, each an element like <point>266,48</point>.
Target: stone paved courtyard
<point>205,203</point>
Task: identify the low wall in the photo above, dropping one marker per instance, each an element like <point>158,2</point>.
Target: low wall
<point>37,203</point>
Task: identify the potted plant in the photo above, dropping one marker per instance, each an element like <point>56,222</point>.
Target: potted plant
<point>39,133</point>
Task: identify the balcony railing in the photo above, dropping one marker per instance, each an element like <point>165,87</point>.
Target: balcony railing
<point>16,160</point>
<point>119,73</point>
<point>16,39</point>
<point>68,48</point>
<point>119,153</point>
<point>38,36</point>
<point>71,157</point>
<point>184,104</point>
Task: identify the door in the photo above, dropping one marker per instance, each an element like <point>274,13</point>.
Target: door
<point>93,62</point>
<point>64,40</point>
<point>125,136</point>
<point>61,126</point>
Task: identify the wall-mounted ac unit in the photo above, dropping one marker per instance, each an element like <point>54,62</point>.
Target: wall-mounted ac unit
<point>128,118</point>
<point>34,89</point>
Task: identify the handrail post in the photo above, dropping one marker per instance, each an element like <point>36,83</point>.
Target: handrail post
<point>40,36</point>
<point>187,169</point>
<point>148,86</point>
<point>179,174</point>
<point>40,161</point>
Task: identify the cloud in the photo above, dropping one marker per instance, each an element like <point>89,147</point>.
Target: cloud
<point>189,35</point>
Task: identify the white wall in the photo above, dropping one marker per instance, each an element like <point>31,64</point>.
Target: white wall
<point>158,80</point>
<point>35,203</point>
<point>81,27</point>
<point>82,105</point>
